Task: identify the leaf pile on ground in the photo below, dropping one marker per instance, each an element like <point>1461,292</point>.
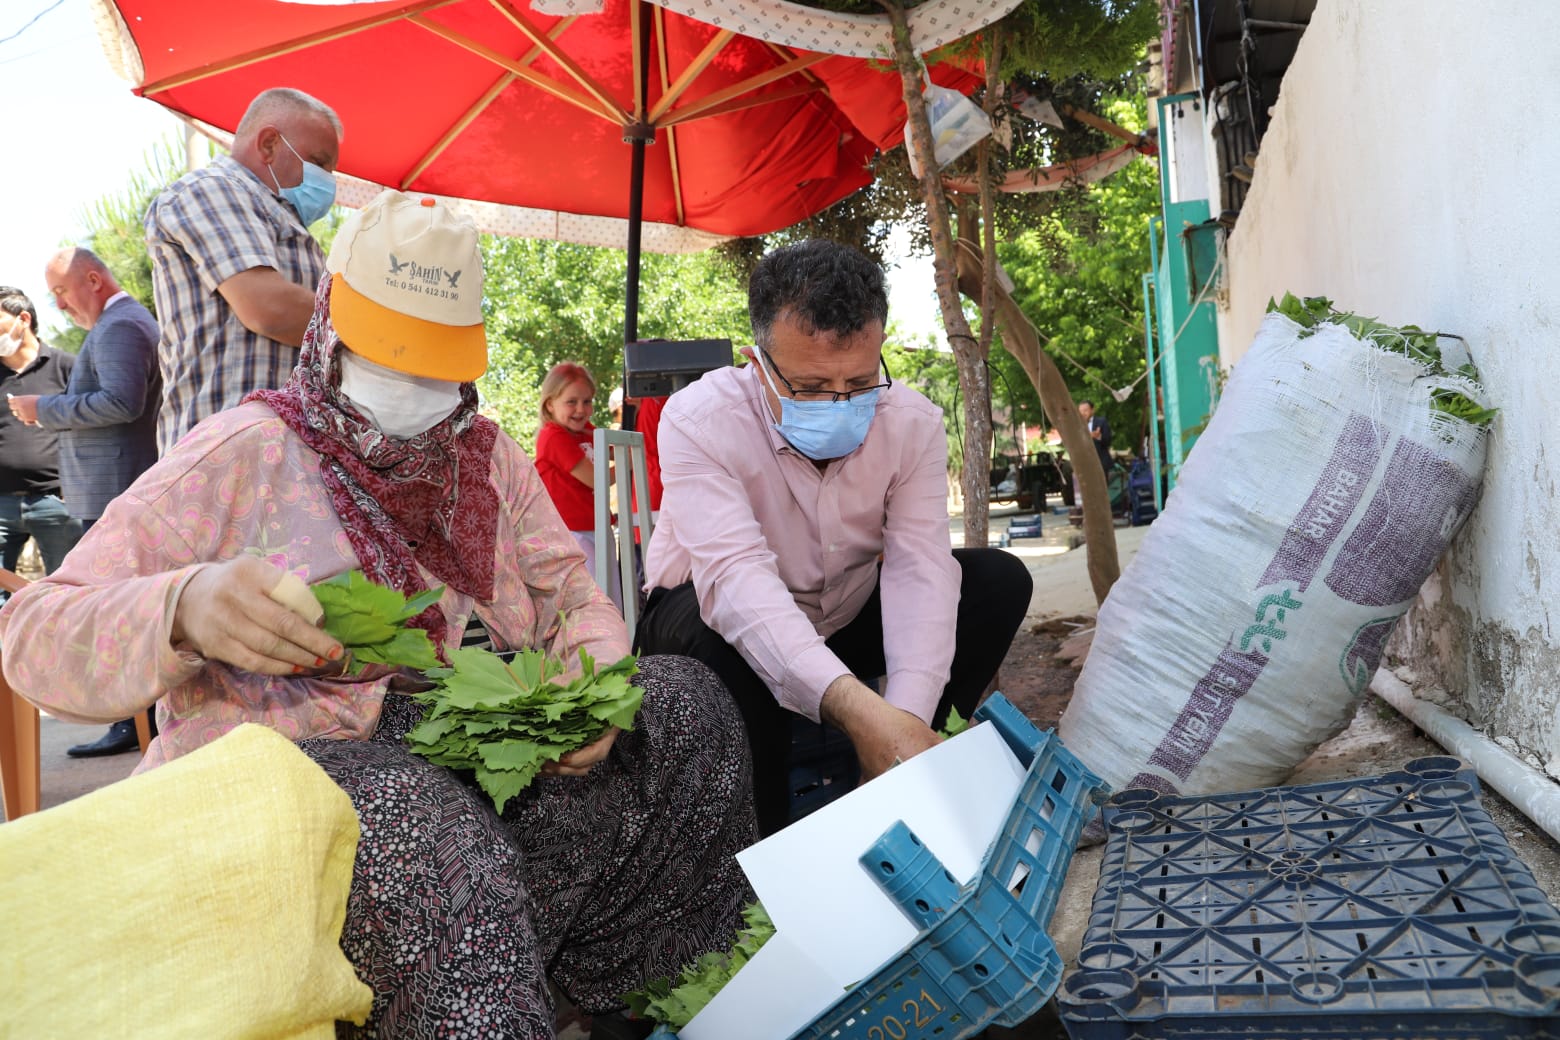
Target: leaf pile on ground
<point>370,621</point>
<point>504,720</point>
<point>1409,340</point>
<point>675,1005</point>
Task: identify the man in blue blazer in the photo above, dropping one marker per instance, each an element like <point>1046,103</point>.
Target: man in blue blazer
<point>107,416</point>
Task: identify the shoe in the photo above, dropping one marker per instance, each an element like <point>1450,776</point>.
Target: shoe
<point>119,739</point>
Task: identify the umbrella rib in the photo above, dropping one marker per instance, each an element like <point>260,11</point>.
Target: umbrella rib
<point>690,73</point>
<point>671,134</point>
<point>568,64</point>
<point>593,105</point>
<point>718,103</point>
<point>458,128</point>
<point>786,55</point>
<point>276,50</point>
<point>712,109</point>
<point>635,27</point>
<point>498,87</point>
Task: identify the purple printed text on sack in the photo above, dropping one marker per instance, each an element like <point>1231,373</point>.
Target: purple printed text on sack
<point>1329,507</point>
<point>1305,546</point>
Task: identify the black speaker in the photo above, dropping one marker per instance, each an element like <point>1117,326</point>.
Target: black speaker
<point>661,367</point>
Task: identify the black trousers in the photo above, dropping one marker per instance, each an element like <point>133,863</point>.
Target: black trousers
<point>994,595</point>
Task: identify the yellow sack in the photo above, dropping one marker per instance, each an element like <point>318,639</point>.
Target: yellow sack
<point>202,899</point>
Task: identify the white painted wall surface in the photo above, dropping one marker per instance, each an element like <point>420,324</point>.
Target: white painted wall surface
<point>1412,172</point>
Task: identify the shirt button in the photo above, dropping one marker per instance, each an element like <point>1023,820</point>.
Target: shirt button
<point>833,547</point>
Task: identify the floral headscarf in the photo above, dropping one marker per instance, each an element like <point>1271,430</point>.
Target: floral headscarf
<point>428,499</point>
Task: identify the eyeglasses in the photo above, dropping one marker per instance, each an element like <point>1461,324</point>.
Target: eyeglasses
<point>829,395</point>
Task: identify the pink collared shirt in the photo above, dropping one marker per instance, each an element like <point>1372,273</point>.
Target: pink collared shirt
<point>783,554</point>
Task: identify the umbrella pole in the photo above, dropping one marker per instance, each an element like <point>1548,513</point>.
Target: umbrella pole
<point>638,134</point>
<point>642,135</point>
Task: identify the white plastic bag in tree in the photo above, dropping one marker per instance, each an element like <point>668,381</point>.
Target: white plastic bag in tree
<point>957,124</point>
<point>1305,519</point>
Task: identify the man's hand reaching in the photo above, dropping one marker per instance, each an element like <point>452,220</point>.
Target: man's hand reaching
<point>226,613</point>
<point>882,734</point>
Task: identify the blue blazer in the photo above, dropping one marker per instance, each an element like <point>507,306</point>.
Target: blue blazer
<point>107,416</point>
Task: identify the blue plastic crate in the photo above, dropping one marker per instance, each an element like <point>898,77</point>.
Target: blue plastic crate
<point>823,766</point>
<point>982,956</point>
<point>1379,908</point>
<point>1025,527</point>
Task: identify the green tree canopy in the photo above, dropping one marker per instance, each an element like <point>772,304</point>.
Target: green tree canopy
<point>1078,276</point>
<point>548,302</point>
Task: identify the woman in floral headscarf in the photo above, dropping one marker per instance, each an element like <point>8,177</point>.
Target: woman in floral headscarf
<point>615,867</point>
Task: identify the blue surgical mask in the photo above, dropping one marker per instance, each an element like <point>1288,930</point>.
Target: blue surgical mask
<point>312,196</point>
<point>823,430</point>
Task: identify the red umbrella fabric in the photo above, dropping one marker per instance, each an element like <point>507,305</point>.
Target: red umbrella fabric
<point>490,100</point>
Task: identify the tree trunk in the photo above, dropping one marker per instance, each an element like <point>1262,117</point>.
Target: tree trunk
<point>1023,342</point>
<point>974,379</point>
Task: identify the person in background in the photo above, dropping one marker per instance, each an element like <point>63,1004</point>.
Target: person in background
<point>233,264</point>
<point>613,868</point>
<point>1099,429</point>
<point>107,417</point>
<point>804,542</point>
<point>565,451</point>
<point>31,505</point>
<point>615,407</point>
<point>647,420</point>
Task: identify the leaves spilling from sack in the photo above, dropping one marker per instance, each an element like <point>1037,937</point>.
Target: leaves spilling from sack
<point>1409,340</point>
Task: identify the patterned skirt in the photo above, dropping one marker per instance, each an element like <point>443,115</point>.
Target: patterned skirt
<point>457,917</point>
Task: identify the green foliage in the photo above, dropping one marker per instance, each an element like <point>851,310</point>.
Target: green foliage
<point>370,621</point>
<point>547,302</point>
<point>114,222</point>
<point>933,372</point>
<point>1409,340</point>
<point>504,721</point>
<point>675,1005</point>
<point>1059,38</point>
<point>1078,277</point>
<point>1065,38</point>
<point>955,725</point>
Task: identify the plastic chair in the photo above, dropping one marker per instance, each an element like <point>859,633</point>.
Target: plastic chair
<point>20,760</point>
<point>611,448</point>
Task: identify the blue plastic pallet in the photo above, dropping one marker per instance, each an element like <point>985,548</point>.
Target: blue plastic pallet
<point>982,956</point>
<point>1380,908</point>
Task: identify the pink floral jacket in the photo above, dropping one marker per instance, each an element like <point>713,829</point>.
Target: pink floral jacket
<point>91,642</point>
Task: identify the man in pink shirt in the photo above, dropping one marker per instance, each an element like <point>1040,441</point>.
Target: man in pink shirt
<point>803,539</point>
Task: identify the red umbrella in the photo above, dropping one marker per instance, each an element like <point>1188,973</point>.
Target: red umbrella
<point>490,100</point>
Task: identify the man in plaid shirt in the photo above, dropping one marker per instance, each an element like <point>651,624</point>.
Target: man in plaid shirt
<point>234,268</point>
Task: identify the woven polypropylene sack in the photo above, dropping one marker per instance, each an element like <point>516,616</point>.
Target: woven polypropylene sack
<point>1313,507</point>
<point>204,898</point>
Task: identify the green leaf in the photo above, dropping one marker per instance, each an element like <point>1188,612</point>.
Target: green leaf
<point>501,786</point>
<point>676,1004</point>
<point>507,719</point>
<point>369,620</point>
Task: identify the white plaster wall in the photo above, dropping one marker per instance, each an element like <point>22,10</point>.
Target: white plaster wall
<point>1412,172</point>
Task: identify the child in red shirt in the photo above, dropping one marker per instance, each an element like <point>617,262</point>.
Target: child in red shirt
<point>565,451</point>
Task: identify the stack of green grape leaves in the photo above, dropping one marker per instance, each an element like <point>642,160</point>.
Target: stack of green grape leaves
<point>675,1003</point>
<point>501,720</point>
<point>1409,340</point>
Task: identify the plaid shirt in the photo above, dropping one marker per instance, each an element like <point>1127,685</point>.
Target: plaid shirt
<point>202,230</point>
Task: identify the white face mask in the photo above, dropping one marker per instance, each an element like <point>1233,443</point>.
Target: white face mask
<point>400,405</point>
<point>12,341</point>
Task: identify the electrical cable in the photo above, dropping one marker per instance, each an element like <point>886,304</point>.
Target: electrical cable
<point>31,20</point>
